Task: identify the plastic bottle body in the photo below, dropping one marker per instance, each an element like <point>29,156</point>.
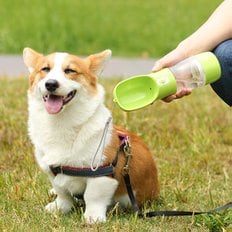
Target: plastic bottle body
<point>189,74</point>
<point>196,71</point>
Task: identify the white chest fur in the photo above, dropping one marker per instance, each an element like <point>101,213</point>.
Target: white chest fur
<point>70,138</point>
<point>69,130</point>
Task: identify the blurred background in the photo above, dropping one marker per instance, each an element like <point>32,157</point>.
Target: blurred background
<point>191,138</point>
<point>131,28</point>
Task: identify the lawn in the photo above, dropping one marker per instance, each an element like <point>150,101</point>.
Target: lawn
<point>191,139</point>
<point>130,28</point>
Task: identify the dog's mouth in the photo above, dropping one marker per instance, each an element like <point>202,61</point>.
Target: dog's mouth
<point>54,103</point>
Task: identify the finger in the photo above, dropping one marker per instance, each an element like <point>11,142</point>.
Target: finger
<point>169,98</point>
<point>157,66</point>
<point>183,92</point>
<point>168,60</point>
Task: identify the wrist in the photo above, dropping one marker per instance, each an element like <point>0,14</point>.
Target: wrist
<point>188,48</point>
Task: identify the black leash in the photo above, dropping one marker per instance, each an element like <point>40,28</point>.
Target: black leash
<point>166,213</point>
<point>125,172</point>
<point>108,170</point>
<point>186,213</point>
<point>131,195</point>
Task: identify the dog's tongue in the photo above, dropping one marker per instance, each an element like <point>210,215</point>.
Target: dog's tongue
<point>54,104</point>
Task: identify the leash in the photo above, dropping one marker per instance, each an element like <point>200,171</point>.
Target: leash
<point>167,213</point>
<point>108,170</point>
<point>187,213</point>
<point>126,148</point>
<point>102,142</point>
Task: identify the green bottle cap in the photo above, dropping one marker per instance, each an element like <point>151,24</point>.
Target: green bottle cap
<point>210,65</point>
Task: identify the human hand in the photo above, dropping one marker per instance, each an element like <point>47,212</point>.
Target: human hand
<point>169,60</point>
<point>179,94</point>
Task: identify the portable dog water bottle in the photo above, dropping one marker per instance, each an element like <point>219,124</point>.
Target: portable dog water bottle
<point>139,91</point>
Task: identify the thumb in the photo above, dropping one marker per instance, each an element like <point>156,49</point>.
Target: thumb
<point>164,62</point>
<point>168,60</point>
<point>157,66</point>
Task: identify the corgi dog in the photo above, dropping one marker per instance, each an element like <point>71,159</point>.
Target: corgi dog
<point>71,129</point>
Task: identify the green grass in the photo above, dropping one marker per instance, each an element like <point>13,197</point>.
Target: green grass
<point>192,143</point>
<point>129,28</point>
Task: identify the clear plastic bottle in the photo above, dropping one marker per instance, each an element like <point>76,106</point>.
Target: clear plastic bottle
<point>196,71</point>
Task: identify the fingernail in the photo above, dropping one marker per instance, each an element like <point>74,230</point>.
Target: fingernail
<point>156,67</point>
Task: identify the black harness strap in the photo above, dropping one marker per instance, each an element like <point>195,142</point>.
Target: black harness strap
<point>105,170</point>
<point>83,172</point>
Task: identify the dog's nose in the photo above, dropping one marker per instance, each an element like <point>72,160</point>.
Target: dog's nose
<point>51,85</point>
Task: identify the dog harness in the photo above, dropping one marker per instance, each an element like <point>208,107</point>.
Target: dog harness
<point>108,170</point>
<point>104,170</point>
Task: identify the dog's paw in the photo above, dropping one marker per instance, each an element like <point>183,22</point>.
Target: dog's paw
<point>95,215</point>
<point>59,206</point>
<point>52,192</point>
<point>52,207</point>
<point>92,219</point>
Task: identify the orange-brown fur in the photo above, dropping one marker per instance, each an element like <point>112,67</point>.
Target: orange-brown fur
<point>142,167</point>
<point>81,66</point>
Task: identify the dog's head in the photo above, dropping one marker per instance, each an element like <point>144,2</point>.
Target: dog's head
<point>59,78</point>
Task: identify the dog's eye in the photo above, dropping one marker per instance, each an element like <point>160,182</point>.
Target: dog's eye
<point>46,69</point>
<point>69,71</point>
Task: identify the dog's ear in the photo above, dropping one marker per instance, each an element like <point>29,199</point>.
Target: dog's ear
<point>97,61</point>
<point>30,58</point>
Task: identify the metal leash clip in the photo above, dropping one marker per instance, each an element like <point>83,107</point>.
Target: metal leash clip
<point>127,152</point>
